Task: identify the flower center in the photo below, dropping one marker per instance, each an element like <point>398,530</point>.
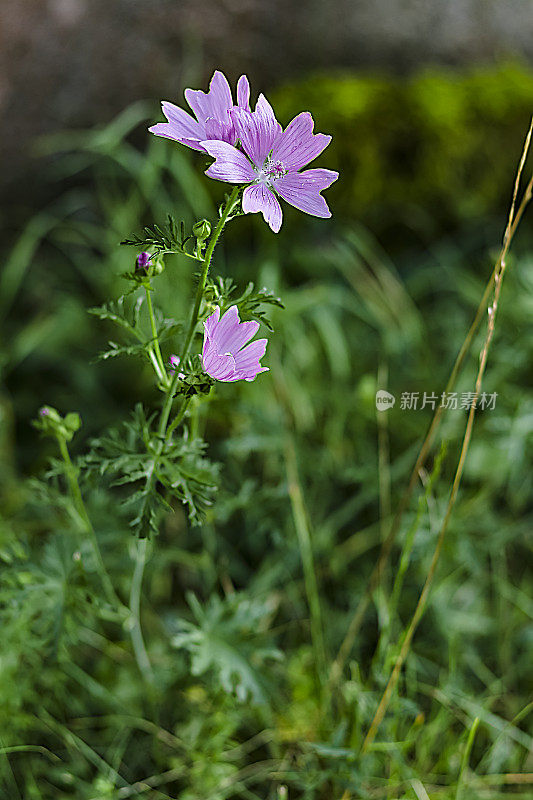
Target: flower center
<point>270,171</point>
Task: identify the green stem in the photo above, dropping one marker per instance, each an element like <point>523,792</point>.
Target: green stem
<point>466,758</point>
<point>137,640</point>
<point>179,416</point>
<point>155,364</point>
<point>77,497</point>
<point>135,595</point>
<point>167,407</point>
<point>306,551</point>
<point>159,364</point>
<point>228,208</point>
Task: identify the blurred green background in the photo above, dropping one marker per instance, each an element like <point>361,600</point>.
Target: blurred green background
<point>381,296</point>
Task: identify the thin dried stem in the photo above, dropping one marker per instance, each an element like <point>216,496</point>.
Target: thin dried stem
<point>498,274</point>
<point>386,548</point>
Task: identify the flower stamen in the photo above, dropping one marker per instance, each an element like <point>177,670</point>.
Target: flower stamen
<point>270,171</point>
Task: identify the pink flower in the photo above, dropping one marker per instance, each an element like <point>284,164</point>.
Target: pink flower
<point>271,163</point>
<point>212,110</point>
<point>224,356</point>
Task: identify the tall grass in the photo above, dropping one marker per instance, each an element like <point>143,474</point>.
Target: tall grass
<point>295,648</point>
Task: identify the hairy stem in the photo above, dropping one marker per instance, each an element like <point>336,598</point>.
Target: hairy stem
<point>228,208</point>
<point>135,594</point>
<point>179,416</point>
<point>167,407</point>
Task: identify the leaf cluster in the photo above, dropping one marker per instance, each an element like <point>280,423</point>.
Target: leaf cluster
<point>154,471</point>
<point>221,292</point>
<point>125,314</point>
<point>164,239</point>
<point>193,379</point>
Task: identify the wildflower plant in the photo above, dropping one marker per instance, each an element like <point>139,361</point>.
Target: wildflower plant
<point>156,459</point>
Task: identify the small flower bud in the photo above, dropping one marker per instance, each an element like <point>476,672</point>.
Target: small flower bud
<point>146,266</point>
<point>143,262</point>
<point>49,414</point>
<point>174,362</point>
<point>72,423</point>
<point>202,230</point>
<point>50,422</point>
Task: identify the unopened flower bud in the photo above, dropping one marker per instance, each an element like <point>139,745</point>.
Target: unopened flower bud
<point>174,362</point>
<point>51,423</point>
<point>72,423</point>
<point>143,262</point>
<point>49,414</point>
<point>202,230</point>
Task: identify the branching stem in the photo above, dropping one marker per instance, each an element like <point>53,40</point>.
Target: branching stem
<point>135,596</point>
<point>228,208</point>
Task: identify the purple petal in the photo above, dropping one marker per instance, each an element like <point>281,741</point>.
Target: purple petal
<point>297,145</point>
<point>181,127</point>
<point>257,130</point>
<point>258,198</point>
<point>219,367</point>
<point>164,130</point>
<point>221,357</point>
<point>216,103</point>
<point>222,131</point>
<point>176,116</point>
<point>271,127</point>
<point>231,334</point>
<point>302,190</point>
<point>243,93</point>
<point>231,165</point>
<point>224,327</point>
<point>211,322</point>
<point>247,364</point>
